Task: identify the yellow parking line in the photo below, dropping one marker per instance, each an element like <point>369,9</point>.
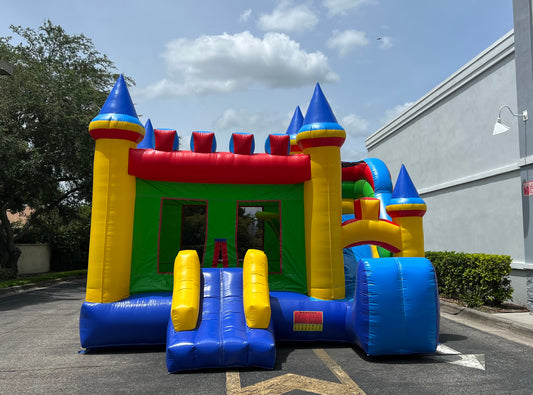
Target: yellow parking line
<point>233,382</point>
<point>337,371</point>
<point>290,382</point>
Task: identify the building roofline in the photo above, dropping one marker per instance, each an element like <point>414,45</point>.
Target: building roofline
<point>485,60</point>
<point>5,68</point>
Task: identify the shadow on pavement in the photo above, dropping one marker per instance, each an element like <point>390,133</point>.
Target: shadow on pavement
<point>61,291</point>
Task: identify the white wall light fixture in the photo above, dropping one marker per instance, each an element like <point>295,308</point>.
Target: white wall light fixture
<point>499,127</point>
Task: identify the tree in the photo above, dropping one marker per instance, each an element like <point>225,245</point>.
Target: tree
<point>249,231</point>
<point>59,83</point>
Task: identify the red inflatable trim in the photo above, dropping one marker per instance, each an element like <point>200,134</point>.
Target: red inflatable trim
<point>218,168</point>
<point>322,142</point>
<point>279,145</point>
<point>164,139</point>
<point>117,134</point>
<point>360,171</point>
<point>295,149</point>
<point>406,213</point>
<point>203,142</point>
<point>242,143</point>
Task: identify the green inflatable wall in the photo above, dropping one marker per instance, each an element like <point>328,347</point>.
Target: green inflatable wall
<point>218,221</point>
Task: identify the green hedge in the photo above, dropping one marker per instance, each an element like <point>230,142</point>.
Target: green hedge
<point>476,279</point>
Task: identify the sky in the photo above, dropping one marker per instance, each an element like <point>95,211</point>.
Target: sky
<point>244,65</point>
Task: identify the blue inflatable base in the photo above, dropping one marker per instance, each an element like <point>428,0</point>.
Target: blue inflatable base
<point>139,320</point>
<point>298,317</point>
<point>395,311</point>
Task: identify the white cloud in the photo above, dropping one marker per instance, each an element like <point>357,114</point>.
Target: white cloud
<point>232,62</point>
<point>340,7</point>
<point>347,40</point>
<point>237,121</point>
<point>355,126</point>
<point>395,112</point>
<point>356,131</point>
<point>245,16</point>
<point>353,151</point>
<point>385,42</point>
<point>287,17</point>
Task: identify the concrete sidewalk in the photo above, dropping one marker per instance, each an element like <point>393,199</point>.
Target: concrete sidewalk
<point>517,326</point>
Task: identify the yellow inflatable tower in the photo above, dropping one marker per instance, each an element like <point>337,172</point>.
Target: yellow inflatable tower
<point>116,129</point>
<point>321,137</point>
<point>406,209</point>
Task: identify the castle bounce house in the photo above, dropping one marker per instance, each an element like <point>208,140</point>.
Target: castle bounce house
<point>219,255</point>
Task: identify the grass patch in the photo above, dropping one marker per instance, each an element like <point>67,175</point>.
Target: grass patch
<point>41,278</point>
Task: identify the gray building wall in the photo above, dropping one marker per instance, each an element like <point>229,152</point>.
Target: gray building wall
<point>470,179</point>
<point>523,27</point>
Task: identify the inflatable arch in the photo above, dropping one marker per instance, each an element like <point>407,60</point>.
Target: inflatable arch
<point>218,255</point>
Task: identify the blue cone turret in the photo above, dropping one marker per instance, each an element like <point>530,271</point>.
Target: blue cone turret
<point>149,139</point>
<point>119,101</point>
<point>296,122</point>
<point>117,118</point>
<point>319,113</point>
<point>404,190</point>
<point>293,129</point>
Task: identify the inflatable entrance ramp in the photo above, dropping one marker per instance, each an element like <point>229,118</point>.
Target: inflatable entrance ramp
<point>221,337</point>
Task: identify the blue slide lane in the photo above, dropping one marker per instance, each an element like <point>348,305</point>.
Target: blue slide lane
<point>221,339</point>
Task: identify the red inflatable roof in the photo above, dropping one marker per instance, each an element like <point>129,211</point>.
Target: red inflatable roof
<point>218,168</point>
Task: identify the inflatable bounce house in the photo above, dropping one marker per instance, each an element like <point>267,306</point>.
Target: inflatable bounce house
<point>219,255</point>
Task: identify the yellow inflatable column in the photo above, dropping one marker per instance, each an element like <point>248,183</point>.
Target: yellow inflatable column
<point>406,209</point>
<point>185,305</point>
<point>321,138</point>
<point>411,232</point>
<point>256,296</point>
<point>116,129</point>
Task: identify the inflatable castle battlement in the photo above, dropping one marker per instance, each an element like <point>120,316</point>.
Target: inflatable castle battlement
<point>338,255</point>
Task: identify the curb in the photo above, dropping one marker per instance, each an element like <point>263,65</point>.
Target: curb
<point>16,289</point>
<point>488,319</point>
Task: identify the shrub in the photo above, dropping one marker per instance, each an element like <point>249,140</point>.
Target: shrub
<point>476,279</point>
<point>7,274</point>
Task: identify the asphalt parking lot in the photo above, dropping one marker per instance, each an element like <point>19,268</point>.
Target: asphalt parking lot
<point>40,353</point>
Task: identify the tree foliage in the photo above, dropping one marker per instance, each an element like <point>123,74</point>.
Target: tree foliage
<point>58,85</point>
<point>249,231</point>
